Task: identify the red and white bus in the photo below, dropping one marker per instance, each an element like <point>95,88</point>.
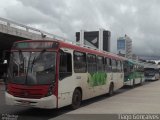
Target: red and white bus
<point>52,74</point>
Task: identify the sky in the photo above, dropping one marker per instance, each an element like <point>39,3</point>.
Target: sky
<point>139,19</point>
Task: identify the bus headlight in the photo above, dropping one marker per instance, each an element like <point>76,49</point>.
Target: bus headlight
<point>50,90</point>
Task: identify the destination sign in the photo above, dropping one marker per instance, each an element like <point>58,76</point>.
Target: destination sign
<point>35,45</point>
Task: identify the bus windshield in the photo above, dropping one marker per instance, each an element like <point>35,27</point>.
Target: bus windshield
<point>32,68</point>
<point>150,71</point>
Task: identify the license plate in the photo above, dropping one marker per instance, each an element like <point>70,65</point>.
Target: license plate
<point>25,103</point>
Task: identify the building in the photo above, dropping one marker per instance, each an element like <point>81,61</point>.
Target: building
<point>95,39</point>
<point>124,46</point>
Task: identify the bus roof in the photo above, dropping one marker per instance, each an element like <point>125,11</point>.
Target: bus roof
<point>68,45</point>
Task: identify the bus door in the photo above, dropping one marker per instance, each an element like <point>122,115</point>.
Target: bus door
<point>120,73</point>
<point>66,80</point>
<point>115,76</point>
<point>109,73</point>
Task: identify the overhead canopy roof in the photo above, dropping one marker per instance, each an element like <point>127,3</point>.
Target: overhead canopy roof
<point>7,40</point>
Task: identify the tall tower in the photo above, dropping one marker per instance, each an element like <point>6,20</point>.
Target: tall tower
<point>124,46</point>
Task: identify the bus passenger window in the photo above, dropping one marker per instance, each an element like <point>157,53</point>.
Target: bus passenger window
<point>92,63</point>
<point>65,67</point>
<point>108,65</point>
<point>114,65</point>
<point>100,65</point>
<point>80,65</point>
<point>119,67</point>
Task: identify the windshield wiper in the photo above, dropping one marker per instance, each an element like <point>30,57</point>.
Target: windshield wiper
<point>36,58</point>
<point>21,57</point>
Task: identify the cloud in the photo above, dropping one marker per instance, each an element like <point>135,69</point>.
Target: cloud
<point>139,19</point>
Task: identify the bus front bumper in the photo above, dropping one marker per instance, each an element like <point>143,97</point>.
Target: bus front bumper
<point>150,78</point>
<point>45,102</point>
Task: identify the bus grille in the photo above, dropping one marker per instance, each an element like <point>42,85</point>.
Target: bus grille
<point>35,92</point>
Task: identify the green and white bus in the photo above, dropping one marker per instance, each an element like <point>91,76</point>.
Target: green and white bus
<point>133,73</point>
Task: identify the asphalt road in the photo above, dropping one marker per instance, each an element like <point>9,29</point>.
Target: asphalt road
<point>26,113</point>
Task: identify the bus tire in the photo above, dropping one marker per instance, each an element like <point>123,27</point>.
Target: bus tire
<point>133,84</point>
<point>141,82</point>
<point>76,99</point>
<point>111,89</point>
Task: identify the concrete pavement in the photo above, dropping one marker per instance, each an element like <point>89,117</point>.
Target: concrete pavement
<point>143,99</point>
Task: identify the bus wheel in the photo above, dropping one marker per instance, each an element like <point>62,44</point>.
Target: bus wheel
<point>133,84</point>
<point>111,89</point>
<point>141,83</point>
<point>76,99</point>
